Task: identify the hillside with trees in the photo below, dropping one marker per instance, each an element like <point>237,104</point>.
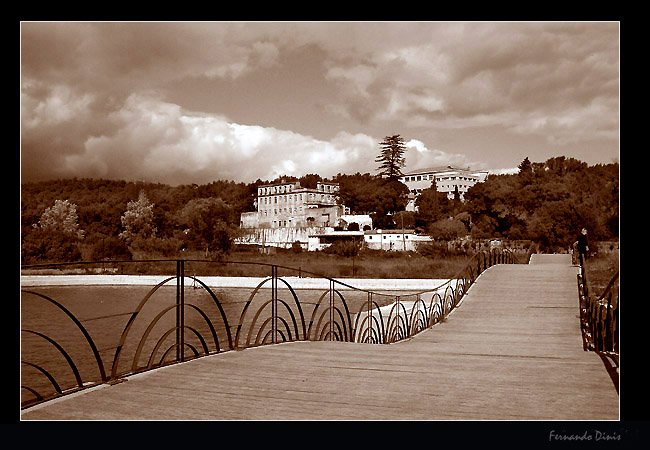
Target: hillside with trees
<point>547,202</point>
<point>93,219</point>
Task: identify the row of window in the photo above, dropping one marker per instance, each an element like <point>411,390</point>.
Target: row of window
<point>296,198</point>
<point>442,187</point>
<point>267,212</point>
<point>276,189</point>
<point>291,187</point>
<point>432,177</point>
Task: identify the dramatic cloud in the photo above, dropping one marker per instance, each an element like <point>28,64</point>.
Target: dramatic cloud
<point>150,139</point>
<point>515,75</point>
<point>96,97</point>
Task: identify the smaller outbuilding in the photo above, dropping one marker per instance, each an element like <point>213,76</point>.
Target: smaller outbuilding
<point>391,240</point>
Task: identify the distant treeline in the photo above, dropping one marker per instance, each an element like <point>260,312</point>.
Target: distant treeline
<point>546,202</point>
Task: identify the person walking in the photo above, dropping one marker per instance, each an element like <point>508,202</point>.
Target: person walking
<point>582,245</point>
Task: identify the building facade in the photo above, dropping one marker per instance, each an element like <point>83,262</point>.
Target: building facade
<point>291,205</point>
<point>389,240</point>
<point>447,179</point>
<point>394,240</point>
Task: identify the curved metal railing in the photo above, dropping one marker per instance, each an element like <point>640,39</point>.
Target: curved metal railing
<point>155,333</point>
<point>599,317</point>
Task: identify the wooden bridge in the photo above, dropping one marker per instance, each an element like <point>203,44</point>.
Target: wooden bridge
<point>511,351</point>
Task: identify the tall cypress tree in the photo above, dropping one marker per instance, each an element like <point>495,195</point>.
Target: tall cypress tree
<point>391,158</point>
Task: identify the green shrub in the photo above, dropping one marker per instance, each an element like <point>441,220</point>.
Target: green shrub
<point>49,246</point>
<point>110,247</point>
<point>343,248</point>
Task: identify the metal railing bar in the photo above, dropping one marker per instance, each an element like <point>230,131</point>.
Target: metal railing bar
<point>106,317</point>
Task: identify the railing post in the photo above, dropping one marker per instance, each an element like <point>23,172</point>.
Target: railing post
<point>398,316</point>
<point>180,310</point>
<point>369,318</point>
<point>331,310</point>
<point>274,302</point>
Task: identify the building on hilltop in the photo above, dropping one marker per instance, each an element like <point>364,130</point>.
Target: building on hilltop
<point>447,179</point>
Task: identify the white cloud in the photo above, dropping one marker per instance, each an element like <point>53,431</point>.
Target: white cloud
<point>418,156</point>
<point>61,105</point>
<point>156,140</point>
<point>147,138</point>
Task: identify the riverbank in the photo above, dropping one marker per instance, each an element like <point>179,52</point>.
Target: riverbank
<point>374,284</point>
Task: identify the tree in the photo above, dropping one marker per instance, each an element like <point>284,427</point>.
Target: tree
<point>391,158</point>
<point>209,224</point>
<point>138,219</point>
<point>353,227</point>
<point>404,219</point>
<point>49,246</point>
<point>431,206</point>
<point>62,217</point>
<point>56,236</point>
<point>525,167</point>
<point>367,194</point>
<point>447,229</point>
<point>390,197</point>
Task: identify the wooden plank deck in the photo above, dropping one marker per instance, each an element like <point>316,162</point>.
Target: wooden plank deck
<point>511,351</point>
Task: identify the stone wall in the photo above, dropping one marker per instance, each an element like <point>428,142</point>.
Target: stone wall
<point>280,237</point>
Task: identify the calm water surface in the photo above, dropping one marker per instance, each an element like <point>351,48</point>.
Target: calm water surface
<point>104,312</point>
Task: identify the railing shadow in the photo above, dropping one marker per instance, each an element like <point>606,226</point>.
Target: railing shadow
<point>182,317</point>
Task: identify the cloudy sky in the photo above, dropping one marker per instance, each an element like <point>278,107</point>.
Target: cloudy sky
<point>176,102</point>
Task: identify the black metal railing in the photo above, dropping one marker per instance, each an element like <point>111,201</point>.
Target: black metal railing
<point>599,317</point>
<point>63,352</point>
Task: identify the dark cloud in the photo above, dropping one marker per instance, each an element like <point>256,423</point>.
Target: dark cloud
<point>95,97</point>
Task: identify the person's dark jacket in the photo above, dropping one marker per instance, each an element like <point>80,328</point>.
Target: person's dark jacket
<point>582,244</point>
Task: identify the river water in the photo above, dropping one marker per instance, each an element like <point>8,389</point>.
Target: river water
<point>106,310</point>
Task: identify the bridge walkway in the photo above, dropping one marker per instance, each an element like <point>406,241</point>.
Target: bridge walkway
<point>512,350</point>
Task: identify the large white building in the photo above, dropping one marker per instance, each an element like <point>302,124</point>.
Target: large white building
<point>447,179</point>
<point>291,205</point>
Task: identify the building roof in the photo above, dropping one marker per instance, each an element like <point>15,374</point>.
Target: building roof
<point>338,234</point>
<point>297,183</point>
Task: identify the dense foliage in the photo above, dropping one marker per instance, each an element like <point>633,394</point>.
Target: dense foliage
<point>123,219</point>
<point>90,219</point>
<point>547,202</point>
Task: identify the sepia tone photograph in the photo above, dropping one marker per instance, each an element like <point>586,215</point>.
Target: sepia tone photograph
<point>321,221</point>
